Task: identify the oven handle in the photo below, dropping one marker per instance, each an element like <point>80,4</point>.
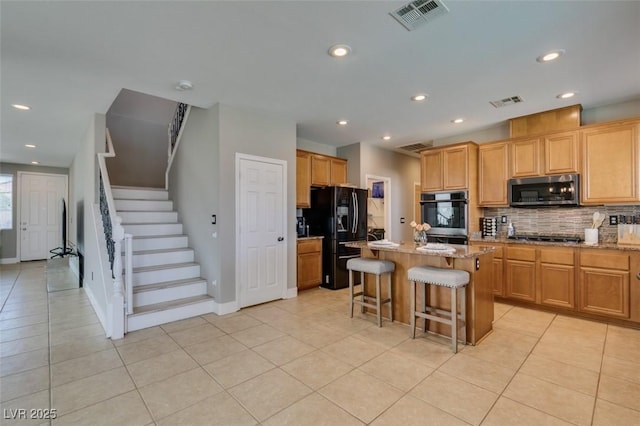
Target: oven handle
<point>349,257</point>
<point>443,201</point>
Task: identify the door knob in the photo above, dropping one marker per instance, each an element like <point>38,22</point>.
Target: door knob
<point>280,239</point>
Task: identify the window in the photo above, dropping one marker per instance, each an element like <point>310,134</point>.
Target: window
<point>6,201</point>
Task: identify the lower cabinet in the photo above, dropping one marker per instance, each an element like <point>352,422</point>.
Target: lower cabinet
<point>309,263</point>
<point>520,274</point>
<point>604,283</point>
<point>556,283</point>
<point>498,267</point>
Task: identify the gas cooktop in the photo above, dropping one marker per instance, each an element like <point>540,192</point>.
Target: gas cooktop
<point>547,238</point>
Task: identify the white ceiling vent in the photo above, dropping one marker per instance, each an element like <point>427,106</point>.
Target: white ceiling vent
<point>417,13</point>
<point>416,147</point>
<point>506,101</point>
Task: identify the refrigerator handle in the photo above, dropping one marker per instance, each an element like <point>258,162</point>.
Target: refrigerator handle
<point>354,198</point>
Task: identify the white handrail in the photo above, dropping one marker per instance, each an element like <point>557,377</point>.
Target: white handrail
<point>120,295</point>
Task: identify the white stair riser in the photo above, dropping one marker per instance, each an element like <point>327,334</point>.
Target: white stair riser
<point>170,293</point>
<point>147,230</point>
<point>162,243</point>
<point>151,319</point>
<point>165,258</point>
<point>144,205</point>
<point>148,217</point>
<point>158,276</point>
<point>140,194</point>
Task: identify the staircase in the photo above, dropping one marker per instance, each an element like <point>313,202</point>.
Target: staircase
<point>166,282</point>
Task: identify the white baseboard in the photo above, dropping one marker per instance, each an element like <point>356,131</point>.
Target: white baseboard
<point>291,293</point>
<point>226,308</point>
<point>9,260</point>
<point>96,309</point>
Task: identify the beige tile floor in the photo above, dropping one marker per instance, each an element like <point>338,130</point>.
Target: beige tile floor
<point>304,362</point>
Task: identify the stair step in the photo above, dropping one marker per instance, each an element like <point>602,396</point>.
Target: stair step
<point>143,205</point>
<point>161,273</point>
<point>144,258</point>
<point>167,291</point>
<point>159,242</point>
<point>139,216</point>
<point>161,313</point>
<point>151,229</point>
<point>139,193</point>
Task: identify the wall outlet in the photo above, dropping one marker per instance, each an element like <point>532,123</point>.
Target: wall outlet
<point>402,220</point>
<point>613,220</point>
<point>503,219</point>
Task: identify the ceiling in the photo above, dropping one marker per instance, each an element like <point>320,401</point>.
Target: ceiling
<point>69,60</point>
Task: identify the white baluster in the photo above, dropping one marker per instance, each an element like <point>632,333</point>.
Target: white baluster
<point>117,300</point>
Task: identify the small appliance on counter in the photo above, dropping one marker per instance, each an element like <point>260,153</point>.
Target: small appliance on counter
<point>489,227</point>
<point>302,227</point>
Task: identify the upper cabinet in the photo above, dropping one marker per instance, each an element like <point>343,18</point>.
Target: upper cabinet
<point>610,162</point>
<point>317,170</point>
<point>493,174</point>
<point>545,155</point>
<point>447,168</point>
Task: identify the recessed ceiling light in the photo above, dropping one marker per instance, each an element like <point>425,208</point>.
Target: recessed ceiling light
<point>418,98</point>
<point>35,162</point>
<point>566,95</point>
<point>184,85</point>
<point>386,138</point>
<point>22,107</point>
<point>30,145</point>
<point>339,50</point>
<point>550,56</point>
<point>457,120</point>
<point>342,122</point>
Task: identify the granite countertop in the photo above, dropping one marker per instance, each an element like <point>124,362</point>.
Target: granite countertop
<point>311,237</point>
<point>461,251</point>
<point>602,245</point>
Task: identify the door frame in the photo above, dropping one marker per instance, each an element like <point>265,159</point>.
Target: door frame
<point>19,207</point>
<point>239,157</point>
<point>387,202</point>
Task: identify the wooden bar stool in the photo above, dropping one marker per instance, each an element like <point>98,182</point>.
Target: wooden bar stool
<point>376,267</point>
<point>452,278</point>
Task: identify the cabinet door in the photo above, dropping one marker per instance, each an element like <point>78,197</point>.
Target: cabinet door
<point>634,287</point>
<point>521,280</point>
<point>309,270</point>
<point>320,170</point>
<point>455,162</point>
<point>303,179</point>
<point>493,174</point>
<point>431,170</point>
<point>338,171</point>
<point>498,277</point>
<point>604,292</point>
<point>557,284</point>
<point>610,161</point>
<point>525,157</point>
<point>561,153</point>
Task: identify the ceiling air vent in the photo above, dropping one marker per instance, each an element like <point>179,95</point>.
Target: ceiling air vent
<point>417,13</point>
<point>416,147</point>
<point>506,101</point>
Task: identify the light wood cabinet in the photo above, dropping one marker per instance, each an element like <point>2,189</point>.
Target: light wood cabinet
<point>604,283</point>
<point>493,173</point>
<point>545,155</point>
<point>338,172</point>
<point>634,287</point>
<point>520,273</point>
<point>320,170</point>
<point>610,159</point>
<point>303,179</point>
<point>309,263</point>
<point>498,266</point>
<point>443,169</point>
<point>556,277</point>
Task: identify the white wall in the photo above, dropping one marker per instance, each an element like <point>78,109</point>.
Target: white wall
<point>307,145</point>
<point>202,183</point>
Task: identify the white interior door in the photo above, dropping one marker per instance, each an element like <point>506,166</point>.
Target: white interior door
<point>262,232</point>
<point>40,213</point>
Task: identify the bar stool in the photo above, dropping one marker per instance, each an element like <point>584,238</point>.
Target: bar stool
<point>376,267</point>
<point>452,278</point>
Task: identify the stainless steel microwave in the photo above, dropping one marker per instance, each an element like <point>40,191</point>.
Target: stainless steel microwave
<point>555,190</point>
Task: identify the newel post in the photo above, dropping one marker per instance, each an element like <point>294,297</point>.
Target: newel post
<point>117,300</point>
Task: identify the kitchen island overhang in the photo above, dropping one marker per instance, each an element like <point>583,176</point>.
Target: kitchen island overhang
<point>478,261</point>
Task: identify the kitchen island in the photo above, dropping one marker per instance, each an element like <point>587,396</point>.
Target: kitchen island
<point>479,292</point>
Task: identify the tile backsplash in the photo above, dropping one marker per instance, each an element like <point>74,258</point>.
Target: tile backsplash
<point>566,221</point>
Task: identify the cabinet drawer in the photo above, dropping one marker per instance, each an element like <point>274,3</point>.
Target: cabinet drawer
<point>309,246</point>
<point>557,256</point>
<point>521,253</point>
<point>597,259</point>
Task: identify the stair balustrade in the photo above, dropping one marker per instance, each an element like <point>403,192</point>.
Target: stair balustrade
<point>175,134</point>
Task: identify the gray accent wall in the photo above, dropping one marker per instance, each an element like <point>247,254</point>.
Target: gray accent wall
<point>9,237</point>
<point>203,182</point>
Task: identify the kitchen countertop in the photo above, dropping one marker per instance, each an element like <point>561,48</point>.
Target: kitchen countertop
<point>604,245</point>
<point>461,251</point>
<point>311,237</point>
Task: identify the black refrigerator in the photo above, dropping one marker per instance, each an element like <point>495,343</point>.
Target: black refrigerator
<point>340,215</point>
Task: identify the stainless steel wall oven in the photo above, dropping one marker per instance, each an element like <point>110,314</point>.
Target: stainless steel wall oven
<point>447,213</point>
